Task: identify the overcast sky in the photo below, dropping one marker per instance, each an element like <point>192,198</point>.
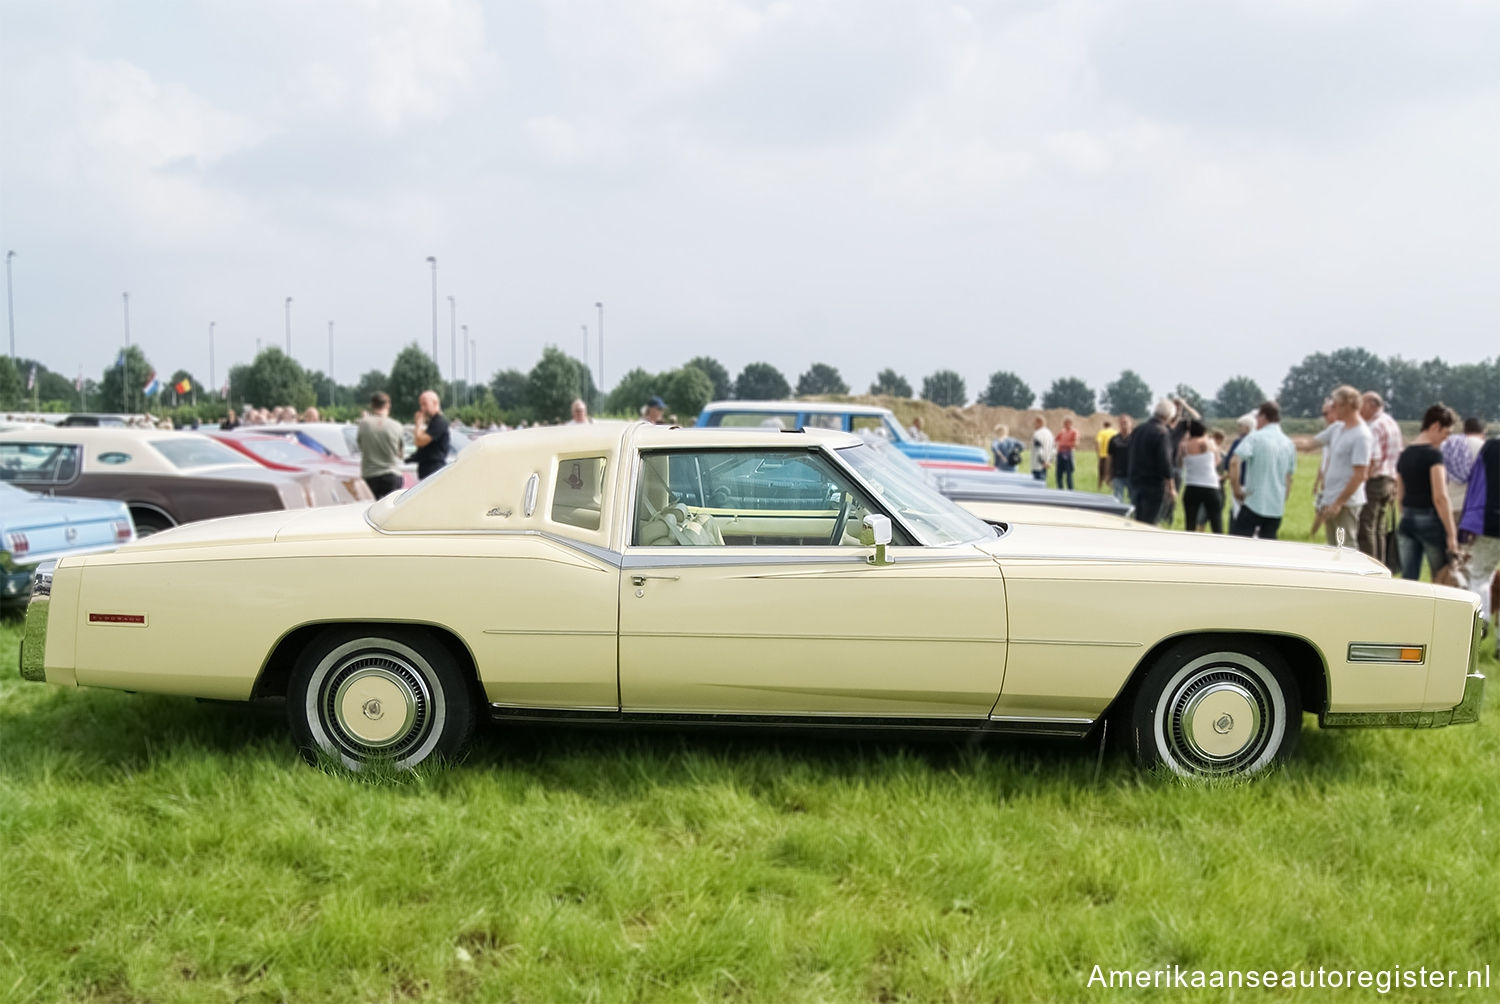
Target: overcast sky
<point>1188,188</point>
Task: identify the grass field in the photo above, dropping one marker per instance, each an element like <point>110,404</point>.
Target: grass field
<point>157,849</point>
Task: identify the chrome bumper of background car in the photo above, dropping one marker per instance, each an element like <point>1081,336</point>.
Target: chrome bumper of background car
<point>1465,713</point>
<point>34,636</point>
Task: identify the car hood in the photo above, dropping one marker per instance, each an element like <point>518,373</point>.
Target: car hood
<point>325,522</point>
<point>1036,511</point>
<point>1026,490</point>
<point>1093,544</point>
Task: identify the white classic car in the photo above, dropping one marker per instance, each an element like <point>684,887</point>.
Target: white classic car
<point>628,573</point>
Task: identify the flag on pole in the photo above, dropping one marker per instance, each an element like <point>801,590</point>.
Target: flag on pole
<point>183,386</point>
<point>31,380</point>
<point>120,360</point>
<point>78,383</point>
<point>152,385</point>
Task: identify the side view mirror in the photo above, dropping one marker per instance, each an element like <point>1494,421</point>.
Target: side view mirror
<point>879,526</point>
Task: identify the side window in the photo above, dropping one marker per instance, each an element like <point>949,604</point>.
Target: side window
<point>768,498</point>
<point>820,420</point>
<point>578,491</point>
<point>869,425</point>
<point>39,463</point>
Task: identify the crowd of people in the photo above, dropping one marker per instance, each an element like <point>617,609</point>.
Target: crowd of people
<point>1435,499</point>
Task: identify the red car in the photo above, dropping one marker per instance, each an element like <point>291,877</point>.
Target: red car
<point>284,453</point>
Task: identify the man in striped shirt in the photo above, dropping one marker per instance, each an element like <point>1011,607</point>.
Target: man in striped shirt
<point>1380,488</point>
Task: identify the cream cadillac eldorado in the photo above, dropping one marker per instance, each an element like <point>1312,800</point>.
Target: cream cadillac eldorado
<point>629,573</point>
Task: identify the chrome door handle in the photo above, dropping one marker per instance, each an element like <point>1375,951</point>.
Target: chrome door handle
<point>640,580</point>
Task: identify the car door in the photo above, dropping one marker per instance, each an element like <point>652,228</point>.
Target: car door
<point>756,610</point>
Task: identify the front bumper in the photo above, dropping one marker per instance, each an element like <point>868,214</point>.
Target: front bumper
<point>1466,712</point>
<point>34,635</point>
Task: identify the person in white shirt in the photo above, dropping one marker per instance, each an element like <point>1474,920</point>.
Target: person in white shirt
<point>1349,448</point>
<point>1043,449</point>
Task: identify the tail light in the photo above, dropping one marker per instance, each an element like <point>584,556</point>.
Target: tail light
<point>123,530</point>
<point>19,545</point>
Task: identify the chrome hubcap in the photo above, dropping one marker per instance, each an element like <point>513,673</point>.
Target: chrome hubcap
<point>376,703</point>
<point>1217,718</point>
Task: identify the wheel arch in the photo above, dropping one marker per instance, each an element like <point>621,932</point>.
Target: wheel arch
<point>1306,663</point>
<point>276,672</point>
<point>136,505</point>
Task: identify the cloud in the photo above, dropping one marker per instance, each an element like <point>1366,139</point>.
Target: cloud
<point>388,63</point>
<point>107,136</point>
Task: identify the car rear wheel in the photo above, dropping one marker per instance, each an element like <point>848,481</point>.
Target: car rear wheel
<point>1215,708</point>
<point>386,696</point>
<point>148,522</point>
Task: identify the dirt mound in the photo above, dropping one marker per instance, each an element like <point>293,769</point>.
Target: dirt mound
<point>975,424</point>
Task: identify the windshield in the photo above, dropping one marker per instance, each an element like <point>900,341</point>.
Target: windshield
<point>935,519</point>
<point>196,451</point>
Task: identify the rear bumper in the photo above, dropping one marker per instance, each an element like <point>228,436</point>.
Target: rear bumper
<point>34,635</point>
<point>1466,712</point>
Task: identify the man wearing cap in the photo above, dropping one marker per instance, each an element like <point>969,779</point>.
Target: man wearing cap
<point>653,411</point>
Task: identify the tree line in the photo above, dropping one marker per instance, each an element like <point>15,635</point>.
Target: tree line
<point>546,391</point>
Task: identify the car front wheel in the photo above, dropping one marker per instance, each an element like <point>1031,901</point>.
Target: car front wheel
<point>394,697</point>
<point>1215,708</point>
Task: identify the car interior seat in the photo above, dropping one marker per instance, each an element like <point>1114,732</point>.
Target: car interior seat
<point>660,521</point>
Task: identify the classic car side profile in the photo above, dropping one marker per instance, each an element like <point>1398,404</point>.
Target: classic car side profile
<point>165,478</point>
<point>636,574</point>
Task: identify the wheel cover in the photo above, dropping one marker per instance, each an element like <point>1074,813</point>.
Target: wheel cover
<point>1221,714</point>
<point>374,703</point>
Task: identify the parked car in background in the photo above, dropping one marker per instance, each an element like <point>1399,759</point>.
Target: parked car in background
<point>84,419</point>
<point>333,438</point>
<point>36,528</point>
<point>165,478</point>
<point>987,493</point>
<point>860,419</point>
<point>286,453</point>
<point>751,578</point>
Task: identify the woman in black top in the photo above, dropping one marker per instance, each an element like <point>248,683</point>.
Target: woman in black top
<point>1422,493</point>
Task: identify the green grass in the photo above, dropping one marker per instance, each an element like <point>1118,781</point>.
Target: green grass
<point>161,849</point>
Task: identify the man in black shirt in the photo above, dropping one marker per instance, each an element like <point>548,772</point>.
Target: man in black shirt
<point>431,435</point>
<point>1151,465</point>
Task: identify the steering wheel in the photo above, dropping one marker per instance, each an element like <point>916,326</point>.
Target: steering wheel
<point>842,518</point>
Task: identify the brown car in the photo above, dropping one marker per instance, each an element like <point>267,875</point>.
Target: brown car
<point>166,478</point>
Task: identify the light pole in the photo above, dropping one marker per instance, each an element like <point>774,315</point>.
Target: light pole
<point>289,327</point>
<point>333,385</point>
<point>432,260</point>
<point>125,359</point>
<point>10,307</point>
<point>473,355</point>
<point>211,385</point>
<point>452,349</point>
<point>584,374</point>
<point>599,304</point>
<point>468,370</point>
